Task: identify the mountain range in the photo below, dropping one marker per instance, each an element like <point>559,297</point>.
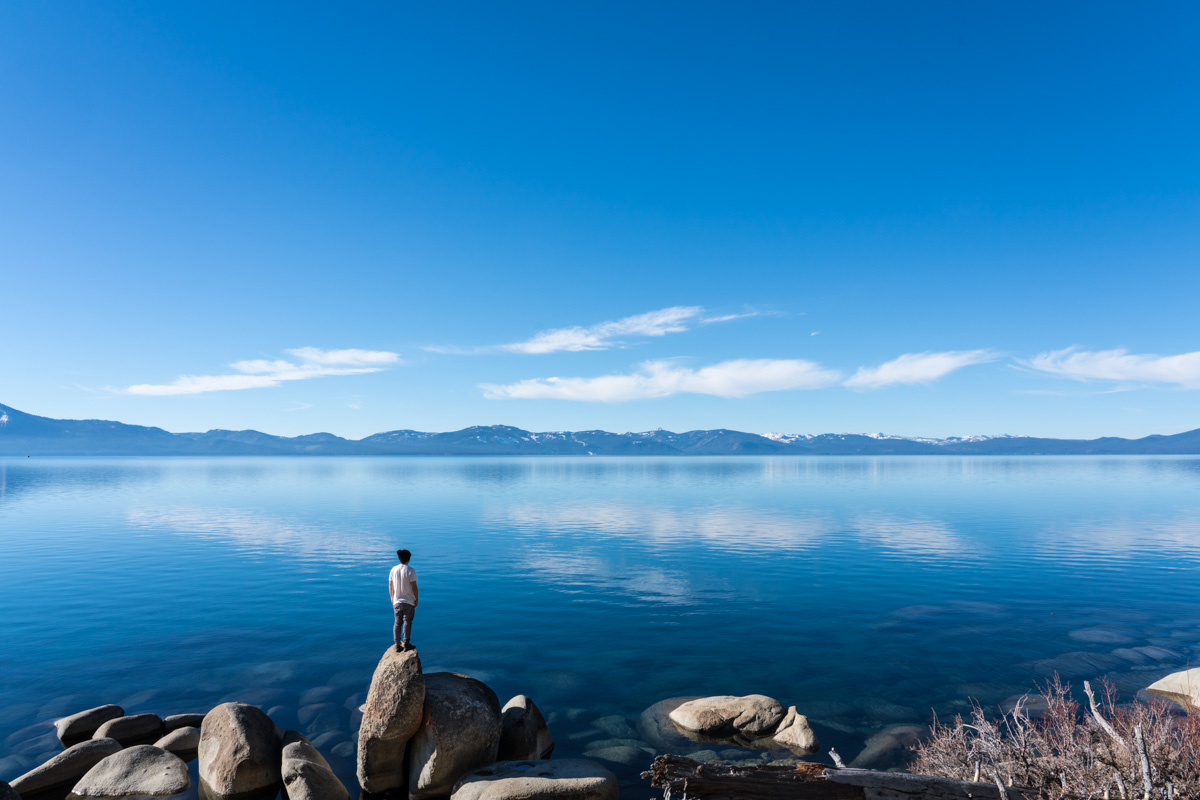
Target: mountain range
<point>24,434</point>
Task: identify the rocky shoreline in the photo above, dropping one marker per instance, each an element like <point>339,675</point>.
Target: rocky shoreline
<point>419,736</point>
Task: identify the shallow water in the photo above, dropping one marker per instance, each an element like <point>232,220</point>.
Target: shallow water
<point>869,592</point>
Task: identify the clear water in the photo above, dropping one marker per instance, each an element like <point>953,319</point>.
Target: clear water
<point>869,592</point>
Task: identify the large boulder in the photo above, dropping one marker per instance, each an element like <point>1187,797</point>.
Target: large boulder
<point>566,779</point>
<point>524,735</point>
<point>77,727</point>
<point>183,742</point>
<point>659,731</point>
<point>239,750</point>
<point>1182,687</point>
<point>796,734</point>
<point>66,768</point>
<point>306,773</point>
<point>391,716</point>
<point>131,730</point>
<point>754,715</point>
<point>139,771</point>
<point>460,731</point>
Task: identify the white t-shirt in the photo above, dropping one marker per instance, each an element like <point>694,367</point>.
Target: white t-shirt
<point>402,579</point>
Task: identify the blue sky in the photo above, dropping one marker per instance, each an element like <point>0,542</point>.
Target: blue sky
<point>924,218</point>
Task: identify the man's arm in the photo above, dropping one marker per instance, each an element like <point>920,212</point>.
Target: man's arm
<point>416,596</point>
<point>391,591</point>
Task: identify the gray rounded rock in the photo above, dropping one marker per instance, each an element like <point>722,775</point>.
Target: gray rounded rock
<point>796,734</point>
<point>566,779</point>
<point>524,734</point>
<point>183,742</point>
<point>659,731</point>
<point>134,729</point>
<point>177,721</point>
<point>139,771</point>
<point>460,731</point>
<point>83,724</point>
<point>239,750</point>
<point>306,773</point>
<point>66,768</point>
<point>752,715</point>
<point>391,715</point>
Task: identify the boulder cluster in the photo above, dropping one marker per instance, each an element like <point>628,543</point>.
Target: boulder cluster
<point>421,737</point>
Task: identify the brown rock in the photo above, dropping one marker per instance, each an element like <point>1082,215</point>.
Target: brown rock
<point>460,731</point>
<point>239,750</point>
<point>524,735</point>
<point>131,730</point>
<point>77,727</point>
<point>391,716</point>
<point>306,773</point>
<point>725,715</point>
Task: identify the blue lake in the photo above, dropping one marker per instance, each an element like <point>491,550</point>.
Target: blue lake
<point>868,592</point>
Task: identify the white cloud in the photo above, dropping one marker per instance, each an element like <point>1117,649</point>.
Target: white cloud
<point>311,362</point>
<point>1119,365</point>
<point>603,336</point>
<point>664,378</point>
<point>917,368</point>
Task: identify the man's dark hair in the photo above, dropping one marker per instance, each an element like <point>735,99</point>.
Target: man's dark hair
<point>403,555</point>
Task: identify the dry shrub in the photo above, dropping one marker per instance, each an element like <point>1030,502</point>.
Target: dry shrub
<point>1066,752</point>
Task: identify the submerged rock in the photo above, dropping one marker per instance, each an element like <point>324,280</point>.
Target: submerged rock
<point>524,734</point>
<point>133,729</point>
<point>754,715</point>
<point>306,773</point>
<point>239,750</point>
<point>659,731</point>
<point>139,771</point>
<point>66,768</point>
<point>622,754</point>
<point>392,714</point>
<point>890,747</point>
<point>459,732</point>
<point>183,742</point>
<point>566,779</point>
<point>81,725</point>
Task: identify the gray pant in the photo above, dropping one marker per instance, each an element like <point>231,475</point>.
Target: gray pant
<point>404,618</point>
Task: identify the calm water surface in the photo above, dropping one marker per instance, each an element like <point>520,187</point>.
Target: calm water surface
<point>869,592</point>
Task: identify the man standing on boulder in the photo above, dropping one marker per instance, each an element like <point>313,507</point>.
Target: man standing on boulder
<point>402,586</point>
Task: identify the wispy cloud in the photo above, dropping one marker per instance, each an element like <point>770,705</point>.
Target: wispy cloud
<point>1120,365</point>
<point>664,378</point>
<point>605,335</point>
<point>917,368</point>
<point>309,362</point>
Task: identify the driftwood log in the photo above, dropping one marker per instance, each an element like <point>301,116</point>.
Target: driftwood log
<point>683,779</point>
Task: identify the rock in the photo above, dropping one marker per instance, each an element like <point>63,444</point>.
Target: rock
<point>796,734</point>
<point>35,730</point>
<point>659,731</point>
<point>754,715</point>
<point>139,771</point>
<point>131,730</point>
<point>319,694</point>
<point>459,732</point>
<point>329,738</point>
<point>392,715</point>
<point>616,726</point>
<point>567,779</point>
<point>306,773</point>
<point>7,792</point>
<point>66,768</point>
<point>46,743</point>
<point>14,765</point>
<point>183,742</point>
<point>320,717</point>
<point>524,735</point>
<point>890,747</point>
<point>344,750</point>
<point>1160,654</point>
<point>177,721</point>
<point>623,754</point>
<point>239,750</point>
<point>1182,687</point>
<point>79,726</point>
